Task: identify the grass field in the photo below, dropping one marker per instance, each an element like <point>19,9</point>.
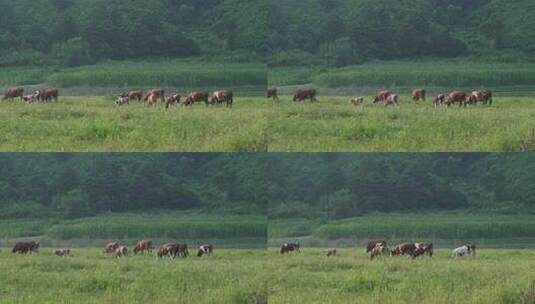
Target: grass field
<point>492,276</point>
<point>229,276</point>
<point>256,125</point>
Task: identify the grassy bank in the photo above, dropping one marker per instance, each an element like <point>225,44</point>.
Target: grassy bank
<point>229,276</point>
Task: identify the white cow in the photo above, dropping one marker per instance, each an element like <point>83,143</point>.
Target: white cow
<point>465,250</point>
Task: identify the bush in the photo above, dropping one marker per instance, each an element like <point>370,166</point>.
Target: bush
<point>73,52</point>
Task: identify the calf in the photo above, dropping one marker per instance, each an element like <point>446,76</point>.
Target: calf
<point>205,250</point>
<point>356,101</point>
<point>371,244</point>
<point>121,101</point>
<point>272,93</point>
<point>62,252</point>
<point>31,98</point>
<point>418,94</point>
<point>302,95</point>
<point>289,247</point>
<point>466,250</point>
<point>26,247</point>
<point>143,246</point>
<point>392,99</point>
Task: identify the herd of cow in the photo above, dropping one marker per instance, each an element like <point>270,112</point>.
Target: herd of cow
<point>389,98</point>
<point>42,95</point>
<point>170,250</point>
<point>378,248</point>
<point>152,97</point>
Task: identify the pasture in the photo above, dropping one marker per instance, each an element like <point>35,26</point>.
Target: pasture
<point>258,125</point>
<point>229,276</point>
<point>492,276</point>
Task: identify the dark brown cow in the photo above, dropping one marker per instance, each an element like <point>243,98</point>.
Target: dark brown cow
<point>404,249</point>
<point>331,252</point>
<point>111,247</point>
<point>302,95</point>
<point>194,97</point>
<point>272,93</point>
<point>172,100</point>
<point>289,247</point>
<point>219,97</point>
<point>439,100</point>
<point>371,244</point>
<point>143,246</point>
<point>62,252</point>
<point>456,97</point>
<point>206,249</point>
<point>13,92</point>
<point>418,94</point>
<point>26,247</point>
<point>183,250</point>
<point>155,94</point>
<point>356,101</point>
<point>47,94</point>
<point>133,95</point>
<point>381,96</point>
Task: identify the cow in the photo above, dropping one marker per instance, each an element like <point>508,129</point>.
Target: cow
<point>392,99</point>
<point>155,94</point>
<point>381,96</point>
<point>62,252</point>
<point>111,247</point>
<point>418,94</point>
<point>378,250</point>
<point>331,252</point>
<point>26,247</point>
<point>172,100</point>
<point>302,95</point>
<point>423,249</point>
<point>219,97</point>
<point>466,250</point>
<point>439,100</point>
<point>133,95</point>
<point>485,97</point>
<point>371,244</point>
<point>456,97</point>
<point>404,249</point>
<point>289,247</point>
<point>356,101</point>
<point>47,94</point>
<point>121,101</point>
<point>121,252</point>
<point>143,246</point>
<point>183,250</point>
<point>168,250</point>
<point>13,92</point>
<point>206,249</point>
<point>194,97</point>
<point>272,93</point>
<point>31,98</point>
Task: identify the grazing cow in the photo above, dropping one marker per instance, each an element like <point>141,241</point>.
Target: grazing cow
<point>133,95</point>
<point>142,246</point>
<point>356,101</point>
<point>423,248</point>
<point>381,96</point>
<point>219,97</point>
<point>31,98</point>
<point>392,99</point>
<point>439,100</point>
<point>155,94</point>
<point>404,249</point>
<point>194,97</point>
<point>13,92</point>
<point>418,94</point>
<point>111,247</point>
<point>302,95</point>
<point>466,250</point>
<point>371,244</point>
<point>272,93</point>
<point>456,97</point>
<point>26,247</point>
<point>378,250</point>
<point>485,97</point>
<point>288,247</point>
<point>205,250</point>
<point>168,250</point>
<point>121,251</point>
<point>121,101</point>
<point>331,252</point>
<point>47,94</point>
<point>183,250</point>
<point>62,252</point>
<point>172,100</point>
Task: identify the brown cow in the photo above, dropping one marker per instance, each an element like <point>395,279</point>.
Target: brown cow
<point>63,252</point>
<point>439,100</point>
<point>206,249</point>
<point>168,250</point>
<point>194,97</point>
<point>356,101</point>
<point>121,252</point>
<point>456,97</point>
<point>392,99</point>
<point>13,92</point>
<point>371,244</point>
<point>219,97</point>
<point>418,94</point>
<point>121,101</point>
<point>378,250</point>
<point>302,95</point>
<point>111,247</point>
<point>142,246</point>
<point>47,94</point>
<point>381,96</point>
<point>133,95</point>
<point>272,93</point>
<point>404,249</point>
<point>156,94</point>
<point>331,252</point>
<point>26,247</point>
<point>423,248</point>
<point>485,97</point>
<point>172,100</point>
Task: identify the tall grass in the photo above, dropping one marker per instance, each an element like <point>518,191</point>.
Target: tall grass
<point>13,76</point>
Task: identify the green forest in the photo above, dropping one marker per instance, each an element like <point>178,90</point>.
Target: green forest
<point>73,33</point>
<point>350,32</point>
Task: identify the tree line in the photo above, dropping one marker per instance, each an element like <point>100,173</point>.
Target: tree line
<point>348,32</point>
